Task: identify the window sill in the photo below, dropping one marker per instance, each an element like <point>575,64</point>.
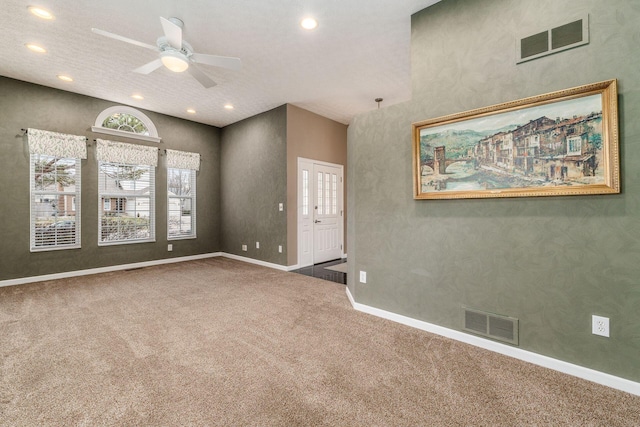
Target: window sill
<point>181,238</point>
<point>52,248</point>
<point>114,132</point>
<point>125,242</point>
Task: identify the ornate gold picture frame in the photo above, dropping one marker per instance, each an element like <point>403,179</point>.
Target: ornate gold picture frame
<point>558,144</point>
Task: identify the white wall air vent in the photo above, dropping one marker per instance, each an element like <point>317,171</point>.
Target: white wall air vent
<point>495,326</point>
<point>546,42</point>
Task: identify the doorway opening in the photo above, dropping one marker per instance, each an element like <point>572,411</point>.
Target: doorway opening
<point>320,212</point>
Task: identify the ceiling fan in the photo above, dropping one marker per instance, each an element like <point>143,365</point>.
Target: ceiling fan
<point>176,54</point>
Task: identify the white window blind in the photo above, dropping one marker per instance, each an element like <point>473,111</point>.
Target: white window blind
<point>181,194</point>
<point>55,187</point>
<point>126,192</point>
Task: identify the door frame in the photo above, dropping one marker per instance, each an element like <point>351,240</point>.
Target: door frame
<point>312,194</point>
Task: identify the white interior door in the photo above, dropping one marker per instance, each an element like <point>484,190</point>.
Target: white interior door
<point>327,242</point>
<point>320,220</point>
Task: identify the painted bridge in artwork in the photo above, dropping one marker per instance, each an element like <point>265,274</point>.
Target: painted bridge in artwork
<point>439,163</point>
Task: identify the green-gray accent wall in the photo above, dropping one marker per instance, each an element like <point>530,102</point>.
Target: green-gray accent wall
<point>26,105</point>
<point>550,262</point>
<point>254,178</point>
<point>259,171</point>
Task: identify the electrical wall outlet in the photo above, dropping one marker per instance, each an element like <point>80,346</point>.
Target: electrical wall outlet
<point>280,248</point>
<point>281,207</point>
<point>600,325</point>
<point>363,277</point>
<point>244,248</point>
<point>169,247</point>
<point>257,245</point>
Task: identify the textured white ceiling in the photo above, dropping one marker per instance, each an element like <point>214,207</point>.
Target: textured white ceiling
<point>359,52</point>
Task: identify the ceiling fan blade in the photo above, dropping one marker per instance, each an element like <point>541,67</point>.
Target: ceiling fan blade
<point>172,32</point>
<point>123,39</point>
<point>218,61</point>
<point>147,68</point>
<point>200,76</point>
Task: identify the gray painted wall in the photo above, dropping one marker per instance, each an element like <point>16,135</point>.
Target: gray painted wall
<point>254,179</point>
<point>551,262</point>
<point>25,105</point>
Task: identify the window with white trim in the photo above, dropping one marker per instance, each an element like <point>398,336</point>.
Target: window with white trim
<point>320,194</point>
<point>126,192</point>
<point>126,122</point>
<point>181,194</point>
<point>305,192</point>
<point>55,161</point>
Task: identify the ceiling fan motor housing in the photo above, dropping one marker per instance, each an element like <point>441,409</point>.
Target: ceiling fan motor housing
<point>164,46</point>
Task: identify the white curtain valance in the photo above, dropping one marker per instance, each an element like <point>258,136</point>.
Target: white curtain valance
<point>57,144</point>
<point>121,152</point>
<point>183,160</point>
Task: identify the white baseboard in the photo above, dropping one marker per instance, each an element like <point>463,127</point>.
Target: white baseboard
<point>66,274</point>
<point>259,262</point>
<point>76,273</point>
<point>537,359</point>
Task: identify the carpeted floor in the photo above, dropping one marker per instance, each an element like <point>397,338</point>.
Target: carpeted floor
<point>219,342</point>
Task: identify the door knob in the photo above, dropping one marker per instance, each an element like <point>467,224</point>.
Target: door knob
<point>317,221</point>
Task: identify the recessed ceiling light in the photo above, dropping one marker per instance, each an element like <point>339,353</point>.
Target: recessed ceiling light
<point>136,96</point>
<point>35,48</point>
<point>40,12</point>
<point>191,111</point>
<point>65,78</point>
<point>309,23</point>
<point>228,107</point>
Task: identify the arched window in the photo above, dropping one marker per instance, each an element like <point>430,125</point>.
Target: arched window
<point>126,122</point>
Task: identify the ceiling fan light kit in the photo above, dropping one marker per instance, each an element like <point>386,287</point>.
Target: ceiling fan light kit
<point>174,61</point>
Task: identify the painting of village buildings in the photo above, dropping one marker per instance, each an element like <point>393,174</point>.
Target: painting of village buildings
<point>551,145</point>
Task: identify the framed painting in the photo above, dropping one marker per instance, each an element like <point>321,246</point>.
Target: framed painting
<point>558,144</point>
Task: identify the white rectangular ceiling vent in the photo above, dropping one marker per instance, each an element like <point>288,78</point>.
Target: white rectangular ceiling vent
<point>495,326</point>
<point>556,39</point>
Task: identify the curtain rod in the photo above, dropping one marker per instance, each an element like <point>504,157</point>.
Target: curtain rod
<point>26,131</point>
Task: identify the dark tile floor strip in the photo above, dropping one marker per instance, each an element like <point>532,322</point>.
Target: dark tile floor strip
<point>319,271</point>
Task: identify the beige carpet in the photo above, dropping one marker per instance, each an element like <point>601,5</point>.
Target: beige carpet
<point>223,343</point>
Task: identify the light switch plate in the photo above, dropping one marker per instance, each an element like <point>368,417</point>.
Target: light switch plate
<point>363,277</point>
